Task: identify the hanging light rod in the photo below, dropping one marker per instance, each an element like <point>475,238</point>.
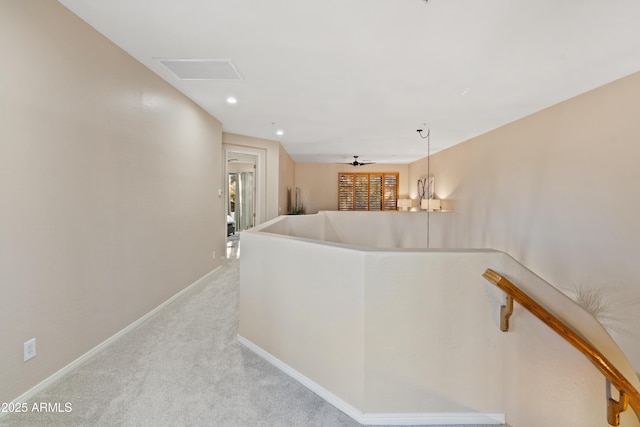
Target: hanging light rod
<point>422,136</point>
<point>427,182</point>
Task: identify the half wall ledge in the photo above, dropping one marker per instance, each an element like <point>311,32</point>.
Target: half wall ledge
<point>411,336</point>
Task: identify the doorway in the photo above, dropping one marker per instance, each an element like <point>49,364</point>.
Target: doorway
<point>241,181</point>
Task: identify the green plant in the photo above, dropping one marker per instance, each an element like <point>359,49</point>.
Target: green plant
<point>297,210</point>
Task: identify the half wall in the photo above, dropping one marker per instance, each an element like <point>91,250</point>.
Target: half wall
<point>411,336</point>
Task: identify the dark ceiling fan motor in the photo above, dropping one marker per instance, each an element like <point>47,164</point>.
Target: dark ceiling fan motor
<point>357,163</point>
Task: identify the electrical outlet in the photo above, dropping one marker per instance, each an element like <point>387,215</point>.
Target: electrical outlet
<point>30,349</point>
<point>214,255</point>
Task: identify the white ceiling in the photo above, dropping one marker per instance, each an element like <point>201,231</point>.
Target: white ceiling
<point>358,77</point>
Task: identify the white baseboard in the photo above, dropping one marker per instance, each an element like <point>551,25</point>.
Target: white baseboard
<point>311,385</point>
<point>26,396</point>
<point>424,419</point>
<point>433,419</point>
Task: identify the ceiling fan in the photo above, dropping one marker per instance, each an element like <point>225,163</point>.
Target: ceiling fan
<point>357,163</point>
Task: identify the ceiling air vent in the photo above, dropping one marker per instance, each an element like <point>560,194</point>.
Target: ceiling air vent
<point>202,69</point>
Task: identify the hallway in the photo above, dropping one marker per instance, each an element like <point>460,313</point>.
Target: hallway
<point>183,367</point>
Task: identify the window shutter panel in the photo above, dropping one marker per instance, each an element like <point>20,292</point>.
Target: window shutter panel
<point>345,192</point>
<point>375,192</point>
<point>368,191</point>
<point>391,192</point>
<point>362,192</point>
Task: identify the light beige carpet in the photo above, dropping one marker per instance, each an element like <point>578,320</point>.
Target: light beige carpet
<point>183,367</point>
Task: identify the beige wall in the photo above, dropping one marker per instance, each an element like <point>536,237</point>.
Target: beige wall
<point>318,182</point>
<point>287,181</point>
<point>558,190</point>
<point>108,185</point>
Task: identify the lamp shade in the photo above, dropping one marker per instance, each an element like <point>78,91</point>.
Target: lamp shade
<point>430,204</point>
<point>404,203</point>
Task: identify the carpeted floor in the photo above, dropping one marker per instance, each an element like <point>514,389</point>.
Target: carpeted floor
<point>183,367</point>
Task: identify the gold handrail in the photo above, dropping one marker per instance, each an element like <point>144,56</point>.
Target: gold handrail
<point>628,394</point>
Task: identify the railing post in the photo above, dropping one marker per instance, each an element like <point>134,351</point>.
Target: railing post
<point>505,313</point>
<point>616,407</point>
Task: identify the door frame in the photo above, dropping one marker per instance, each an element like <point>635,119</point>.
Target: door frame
<point>260,181</point>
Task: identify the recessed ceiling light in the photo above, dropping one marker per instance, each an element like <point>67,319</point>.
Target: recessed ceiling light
<point>279,132</point>
<point>232,100</point>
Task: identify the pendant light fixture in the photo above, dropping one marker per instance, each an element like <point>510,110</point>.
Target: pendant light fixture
<point>427,185</point>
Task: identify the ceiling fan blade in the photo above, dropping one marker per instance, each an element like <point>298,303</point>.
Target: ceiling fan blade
<point>357,163</point>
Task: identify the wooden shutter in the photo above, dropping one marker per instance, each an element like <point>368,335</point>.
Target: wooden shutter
<point>375,192</point>
<point>390,192</point>
<point>361,192</point>
<point>368,191</point>
<point>345,192</point>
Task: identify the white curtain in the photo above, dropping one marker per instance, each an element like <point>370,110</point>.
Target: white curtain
<point>245,200</point>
